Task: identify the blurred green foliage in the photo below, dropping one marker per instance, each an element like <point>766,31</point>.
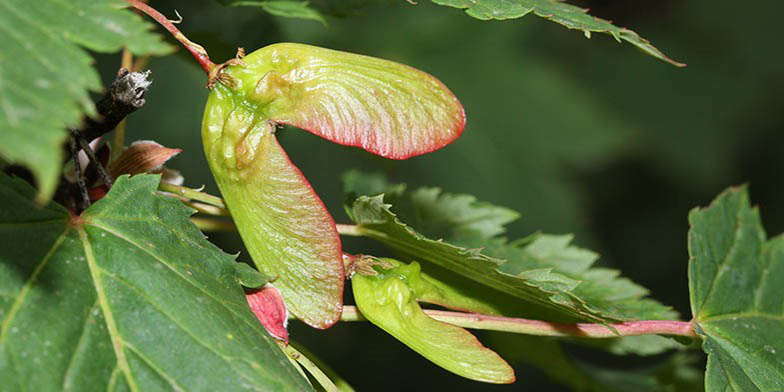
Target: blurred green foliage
<point>582,136</point>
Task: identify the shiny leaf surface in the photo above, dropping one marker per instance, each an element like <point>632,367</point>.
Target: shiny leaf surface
<point>129,296</point>
<point>736,283</point>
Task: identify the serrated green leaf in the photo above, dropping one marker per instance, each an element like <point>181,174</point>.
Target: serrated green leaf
<point>736,283</point>
<point>389,303</point>
<point>572,17</point>
<point>45,75</point>
<point>128,296</point>
<point>287,9</point>
<point>541,269</point>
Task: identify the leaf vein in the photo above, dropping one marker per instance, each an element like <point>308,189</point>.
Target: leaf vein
<point>161,309</point>
<point>162,261</point>
<point>111,325</point>
<point>720,268</point>
<point>19,301</point>
<point>79,343</point>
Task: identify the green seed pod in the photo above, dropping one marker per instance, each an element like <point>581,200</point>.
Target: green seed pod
<point>386,108</point>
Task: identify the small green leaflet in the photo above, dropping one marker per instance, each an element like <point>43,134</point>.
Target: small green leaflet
<point>572,17</point>
<point>736,283</point>
<point>45,75</point>
<point>288,9</point>
<point>129,296</point>
<point>543,270</point>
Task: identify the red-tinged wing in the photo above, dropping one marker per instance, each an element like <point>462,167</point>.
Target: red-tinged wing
<point>384,107</point>
<point>283,223</point>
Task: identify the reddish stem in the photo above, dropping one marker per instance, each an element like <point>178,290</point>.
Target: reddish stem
<point>196,50</point>
<point>544,328</point>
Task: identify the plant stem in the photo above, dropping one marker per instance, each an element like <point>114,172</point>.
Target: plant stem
<point>311,367</point>
<point>207,209</point>
<point>193,194</point>
<point>207,224</point>
<point>124,96</point>
<point>196,50</point>
<point>349,230</point>
<point>544,328</point>
<point>340,383</point>
<point>118,141</point>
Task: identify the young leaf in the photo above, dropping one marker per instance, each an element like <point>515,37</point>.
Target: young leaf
<point>45,76</point>
<point>128,296</point>
<point>389,303</point>
<point>541,269</point>
<point>736,283</point>
<point>567,15</point>
<point>283,223</point>
<point>386,108</point>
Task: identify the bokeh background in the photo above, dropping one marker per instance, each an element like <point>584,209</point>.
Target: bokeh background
<point>581,136</point>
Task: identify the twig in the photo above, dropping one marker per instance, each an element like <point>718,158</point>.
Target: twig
<point>118,141</point>
<point>544,328</point>
<point>196,50</point>
<point>85,145</point>
<point>124,96</point>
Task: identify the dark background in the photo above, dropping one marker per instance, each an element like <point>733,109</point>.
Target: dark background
<point>584,136</point>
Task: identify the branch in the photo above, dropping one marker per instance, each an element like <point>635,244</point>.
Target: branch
<point>544,328</point>
<point>124,96</point>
